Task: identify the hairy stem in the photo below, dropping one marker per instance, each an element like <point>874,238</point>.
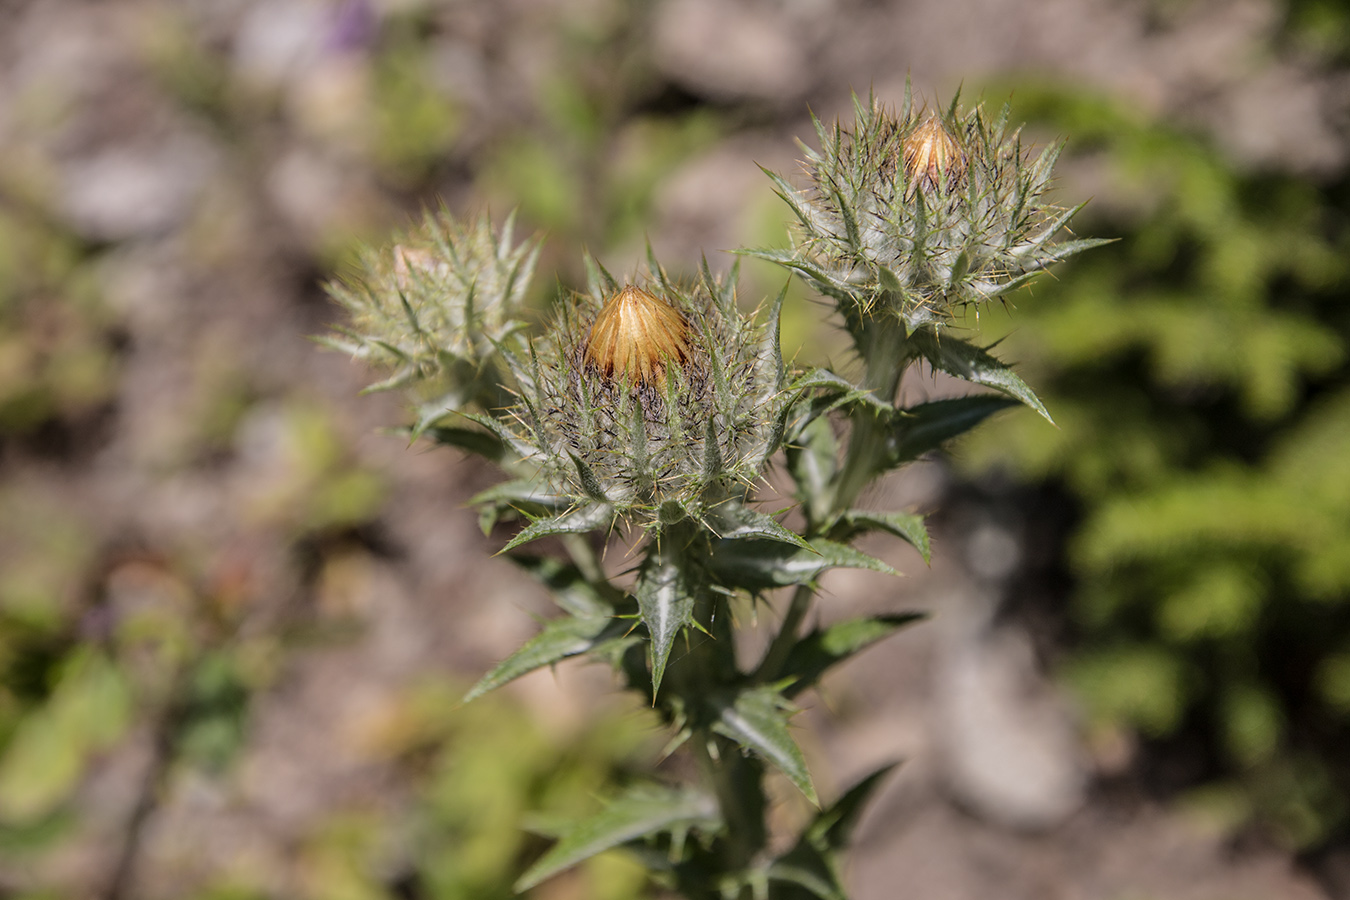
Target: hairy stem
<point>738,782</point>
<point>694,683</point>
<point>882,342</point>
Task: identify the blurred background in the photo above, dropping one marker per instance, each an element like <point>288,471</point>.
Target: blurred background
<point>236,617</point>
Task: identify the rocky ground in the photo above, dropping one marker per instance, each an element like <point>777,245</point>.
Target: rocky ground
<point>204,163</point>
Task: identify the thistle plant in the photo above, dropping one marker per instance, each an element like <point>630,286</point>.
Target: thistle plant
<point>655,407</point>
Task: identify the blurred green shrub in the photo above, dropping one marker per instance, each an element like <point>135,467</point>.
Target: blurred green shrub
<point>497,768</point>
<point>1319,26</point>
<point>1199,371</point>
<point>472,774</point>
<point>59,703</point>
<point>56,358</point>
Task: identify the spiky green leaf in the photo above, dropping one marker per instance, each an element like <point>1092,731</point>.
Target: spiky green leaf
<point>506,435</point>
<point>732,521</point>
<point>579,521</point>
<point>965,360</point>
<point>757,565</point>
<point>483,443</point>
<point>666,604</point>
<point>909,527</point>
<point>559,639</point>
<point>844,391</point>
<point>928,426</point>
<point>825,647</point>
<point>832,828</point>
<point>757,719</point>
<point>639,812</point>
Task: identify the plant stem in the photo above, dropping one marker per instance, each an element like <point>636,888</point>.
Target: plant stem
<point>583,555</point>
<point>738,782</point>
<point>883,343</point>
<point>694,686</point>
<point>786,639</point>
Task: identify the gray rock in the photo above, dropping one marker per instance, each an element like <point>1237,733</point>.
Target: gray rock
<point>730,50</point>
<point>133,191</point>
<point>1008,749</point>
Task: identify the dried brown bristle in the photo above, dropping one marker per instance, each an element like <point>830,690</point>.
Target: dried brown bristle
<point>635,335</point>
<point>932,155</point>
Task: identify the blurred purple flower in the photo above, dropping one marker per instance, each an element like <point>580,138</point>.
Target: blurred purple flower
<point>353,27</point>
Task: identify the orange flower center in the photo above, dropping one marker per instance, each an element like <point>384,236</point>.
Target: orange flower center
<point>931,153</point>
<point>635,335</point>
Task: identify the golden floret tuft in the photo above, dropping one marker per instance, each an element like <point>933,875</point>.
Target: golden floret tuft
<point>635,336</point>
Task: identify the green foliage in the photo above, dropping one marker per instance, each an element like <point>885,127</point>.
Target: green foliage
<point>56,359</point>
<point>1198,373</point>
<point>481,772</point>
<point>636,813</point>
<point>756,718</point>
<point>88,709</point>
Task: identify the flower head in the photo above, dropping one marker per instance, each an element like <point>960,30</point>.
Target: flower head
<point>653,400</point>
<point>916,214</point>
<point>435,305</point>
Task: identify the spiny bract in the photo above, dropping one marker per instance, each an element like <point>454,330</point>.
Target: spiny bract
<point>919,213</point>
<point>655,402</point>
<point>434,305</point>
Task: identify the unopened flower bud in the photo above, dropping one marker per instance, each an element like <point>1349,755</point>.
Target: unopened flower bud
<point>635,335</point>
<point>437,306</point>
<point>657,402</point>
<point>932,156</point>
